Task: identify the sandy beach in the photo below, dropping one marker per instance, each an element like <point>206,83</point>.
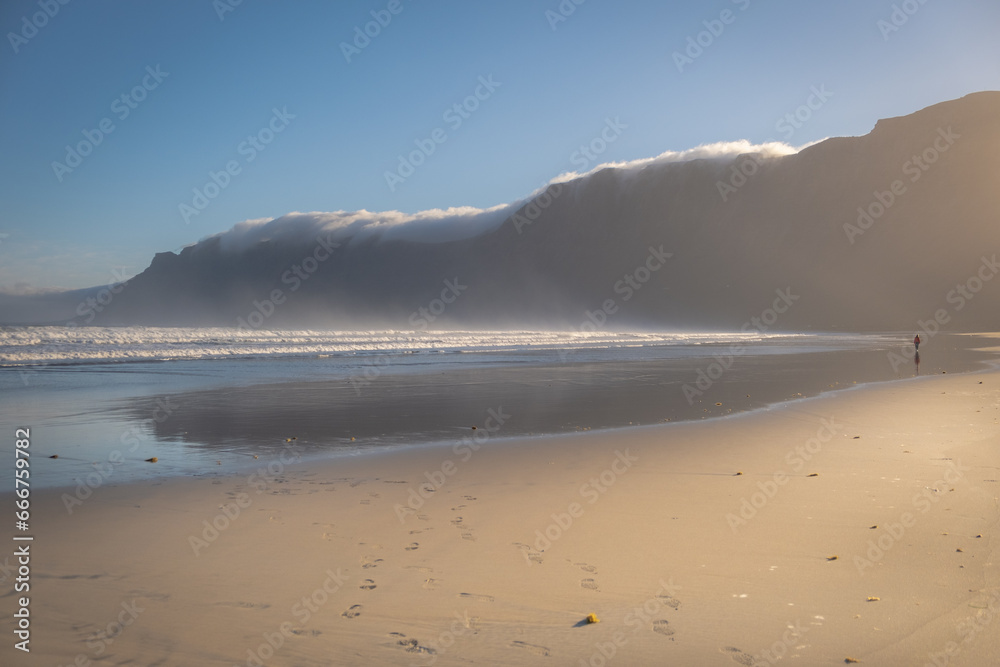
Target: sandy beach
<point>860,524</point>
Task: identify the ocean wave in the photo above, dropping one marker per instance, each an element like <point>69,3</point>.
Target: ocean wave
<point>21,346</point>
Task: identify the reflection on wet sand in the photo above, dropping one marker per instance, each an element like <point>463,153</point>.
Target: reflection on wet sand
<point>530,399</point>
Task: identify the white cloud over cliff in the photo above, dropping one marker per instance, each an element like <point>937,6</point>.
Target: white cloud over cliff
<point>456,223</point>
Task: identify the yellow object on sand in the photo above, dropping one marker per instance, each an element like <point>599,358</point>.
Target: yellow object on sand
<point>593,619</point>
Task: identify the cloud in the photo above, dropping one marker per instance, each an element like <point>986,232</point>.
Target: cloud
<point>431,226</point>
<point>451,224</point>
<point>718,151</point>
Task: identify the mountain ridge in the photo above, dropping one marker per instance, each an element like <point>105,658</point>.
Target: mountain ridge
<point>794,222</point>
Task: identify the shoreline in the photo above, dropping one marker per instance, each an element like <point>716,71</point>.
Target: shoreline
<point>376,453</point>
<point>519,542</point>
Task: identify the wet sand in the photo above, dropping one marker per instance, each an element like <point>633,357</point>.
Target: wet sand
<point>385,407</point>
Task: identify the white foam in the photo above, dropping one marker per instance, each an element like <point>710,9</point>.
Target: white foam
<point>50,345</point>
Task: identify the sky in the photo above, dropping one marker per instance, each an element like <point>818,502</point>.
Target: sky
<point>131,128</point>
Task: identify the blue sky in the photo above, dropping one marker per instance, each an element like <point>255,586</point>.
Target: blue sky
<point>220,76</point>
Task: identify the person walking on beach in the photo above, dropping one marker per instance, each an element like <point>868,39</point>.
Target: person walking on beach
<point>916,342</point>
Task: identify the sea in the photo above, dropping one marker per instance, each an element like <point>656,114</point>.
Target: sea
<point>100,403</point>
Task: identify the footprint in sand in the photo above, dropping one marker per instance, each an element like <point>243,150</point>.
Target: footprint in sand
<point>459,507</point>
<point>586,568</point>
<point>663,628</point>
<point>467,533</point>
<point>367,585</point>
<point>311,633</point>
<point>410,644</point>
<point>669,600</point>
<point>413,546</point>
<point>477,597</point>
<point>738,656</point>
<point>589,584</point>
<point>353,612</point>
<point>470,497</point>
<point>533,649</point>
<point>368,562</point>
<point>530,554</point>
<point>431,583</point>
